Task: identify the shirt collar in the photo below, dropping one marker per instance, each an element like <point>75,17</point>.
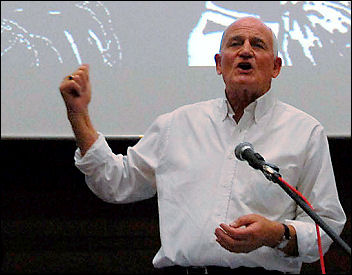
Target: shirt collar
<point>256,109</point>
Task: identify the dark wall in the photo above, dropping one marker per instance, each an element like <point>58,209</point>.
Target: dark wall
<point>51,221</point>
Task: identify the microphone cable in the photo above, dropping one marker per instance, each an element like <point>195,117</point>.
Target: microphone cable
<point>322,264</point>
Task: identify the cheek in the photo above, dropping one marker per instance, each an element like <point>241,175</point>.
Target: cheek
<point>228,60</point>
<point>265,69</point>
<point>228,69</point>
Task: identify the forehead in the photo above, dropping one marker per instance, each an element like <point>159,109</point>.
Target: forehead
<point>249,27</point>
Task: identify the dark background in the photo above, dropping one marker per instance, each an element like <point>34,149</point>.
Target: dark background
<point>52,223</point>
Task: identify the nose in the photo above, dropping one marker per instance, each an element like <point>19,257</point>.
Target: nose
<point>246,50</point>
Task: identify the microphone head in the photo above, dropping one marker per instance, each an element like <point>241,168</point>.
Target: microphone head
<point>240,148</point>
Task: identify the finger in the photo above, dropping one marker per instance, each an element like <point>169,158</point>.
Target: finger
<point>79,78</point>
<point>247,220</point>
<point>224,240</point>
<point>85,69</point>
<point>236,247</point>
<point>227,229</point>
<point>86,66</point>
<point>71,85</point>
<point>70,88</point>
<point>229,243</point>
<point>227,235</point>
<point>236,233</point>
<point>82,79</point>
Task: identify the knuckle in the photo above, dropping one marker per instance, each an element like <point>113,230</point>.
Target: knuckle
<point>63,87</point>
<point>81,75</point>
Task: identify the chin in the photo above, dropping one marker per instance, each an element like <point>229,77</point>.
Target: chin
<point>245,82</point>
<point>244,78</point>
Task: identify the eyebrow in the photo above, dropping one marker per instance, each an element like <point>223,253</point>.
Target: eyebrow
<point>253,39</point>
<point>257,39</point>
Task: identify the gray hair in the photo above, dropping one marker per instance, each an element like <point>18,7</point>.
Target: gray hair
<point>275,44</point>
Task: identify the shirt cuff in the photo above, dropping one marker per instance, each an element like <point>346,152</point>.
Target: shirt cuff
<point>306,240</point>
<point>94,156</point>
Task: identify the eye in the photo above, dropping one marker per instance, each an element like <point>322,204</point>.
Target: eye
<point>259,45</point>
<point>235,44</point>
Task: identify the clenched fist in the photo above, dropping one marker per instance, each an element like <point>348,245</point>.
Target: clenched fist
<point>76,91</point>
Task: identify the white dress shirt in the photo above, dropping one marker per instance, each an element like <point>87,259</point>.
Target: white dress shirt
<point>187,158</point>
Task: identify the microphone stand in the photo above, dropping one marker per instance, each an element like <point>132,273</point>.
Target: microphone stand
<point>271,172</point>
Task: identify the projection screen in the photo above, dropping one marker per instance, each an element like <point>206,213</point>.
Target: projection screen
<point>148,58</point>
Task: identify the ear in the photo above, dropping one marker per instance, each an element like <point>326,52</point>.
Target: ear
<point>217,58</point>
<point>277,67</point>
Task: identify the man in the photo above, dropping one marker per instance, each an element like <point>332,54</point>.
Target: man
<point>217,213</point>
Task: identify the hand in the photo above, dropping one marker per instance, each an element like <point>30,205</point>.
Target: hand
<point>76,92</point>
<point>248,233</point>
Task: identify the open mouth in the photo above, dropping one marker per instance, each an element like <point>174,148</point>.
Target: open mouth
<point>246,66</point>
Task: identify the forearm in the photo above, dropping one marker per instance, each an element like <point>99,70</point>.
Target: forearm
<point>113,178</point>
<point>83,130</point>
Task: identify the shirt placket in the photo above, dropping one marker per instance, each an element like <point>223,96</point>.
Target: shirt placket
<point>227,178</point>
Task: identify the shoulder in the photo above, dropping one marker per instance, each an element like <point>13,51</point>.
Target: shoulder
<point>294,120</point>
<point>293,113</point>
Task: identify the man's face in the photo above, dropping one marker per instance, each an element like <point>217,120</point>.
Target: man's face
<point>247,61</point>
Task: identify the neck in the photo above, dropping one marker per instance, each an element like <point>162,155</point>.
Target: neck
<point>240,99</point>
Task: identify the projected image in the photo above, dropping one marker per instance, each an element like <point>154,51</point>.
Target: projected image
<point>304,29</point>
<point>151,57</point>
<point>56,34</point>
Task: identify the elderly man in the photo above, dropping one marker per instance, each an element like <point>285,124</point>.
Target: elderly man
<point>216,213</point>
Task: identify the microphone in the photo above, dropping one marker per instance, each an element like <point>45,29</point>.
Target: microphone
<point>245,151</point>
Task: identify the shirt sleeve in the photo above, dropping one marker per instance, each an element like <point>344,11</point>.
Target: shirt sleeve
<point>124,178</point>
<point>317,184</point>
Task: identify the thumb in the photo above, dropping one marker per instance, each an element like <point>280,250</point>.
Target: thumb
<point>243,221</point>
<point>85,67</point>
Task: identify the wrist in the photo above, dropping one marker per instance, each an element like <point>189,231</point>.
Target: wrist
<point>288,244</point>
<point>285,238</point>
<point>76,117</point>
<point>277,235</point>
<point>84,130</point>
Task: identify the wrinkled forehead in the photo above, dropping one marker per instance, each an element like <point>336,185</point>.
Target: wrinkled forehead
<point>249,26</point>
